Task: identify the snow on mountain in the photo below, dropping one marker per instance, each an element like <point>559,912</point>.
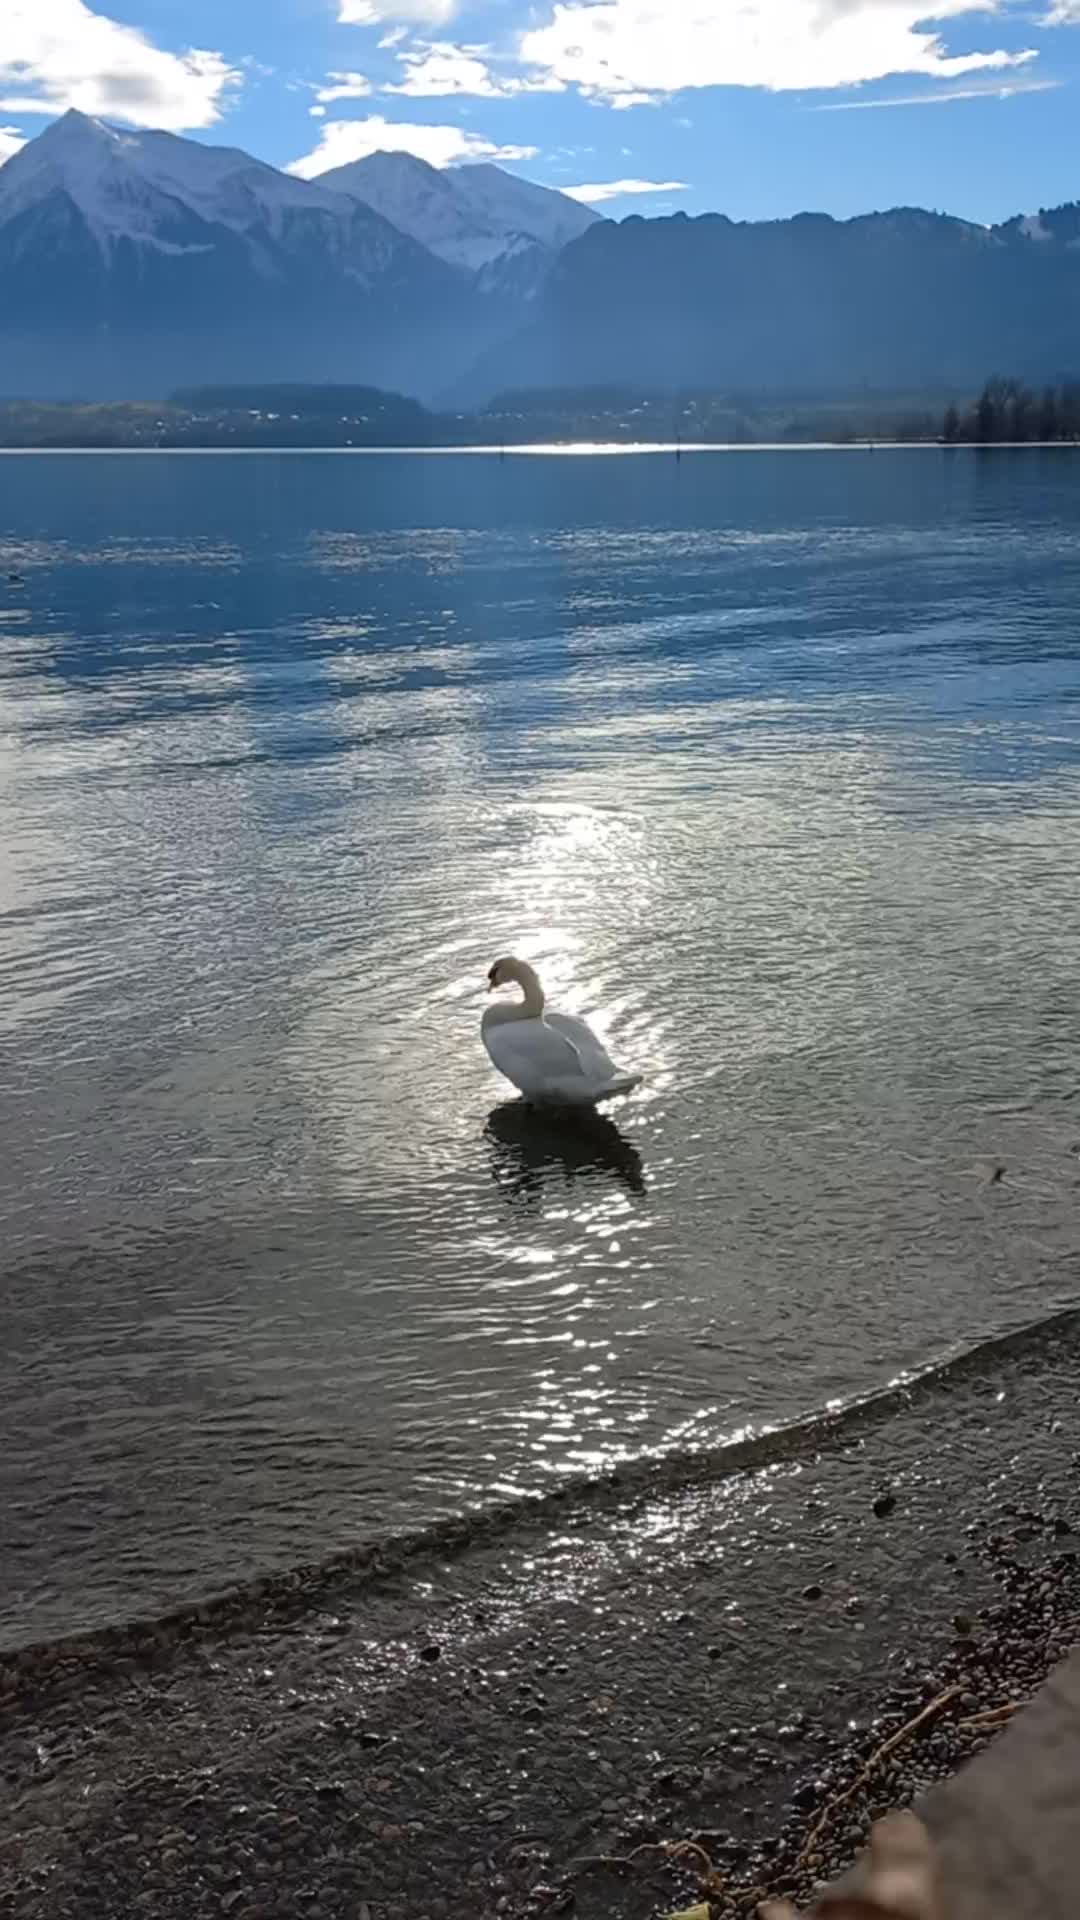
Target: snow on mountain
<point>132,184</point>
<point>423,202</point>
<point>473,217</point>
<point>511,205</point>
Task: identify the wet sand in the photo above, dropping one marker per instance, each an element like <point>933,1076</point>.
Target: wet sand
<point>490,1720</point>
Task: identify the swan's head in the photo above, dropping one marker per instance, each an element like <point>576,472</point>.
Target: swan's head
<point>504,973</point>
<point>509,972</point>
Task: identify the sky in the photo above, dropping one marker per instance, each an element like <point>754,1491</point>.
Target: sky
<point>754,108</point>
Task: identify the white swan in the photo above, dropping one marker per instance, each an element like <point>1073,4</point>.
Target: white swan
<point>551,1058</point>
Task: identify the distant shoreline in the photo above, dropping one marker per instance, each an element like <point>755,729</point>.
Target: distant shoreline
<point>580,449</point>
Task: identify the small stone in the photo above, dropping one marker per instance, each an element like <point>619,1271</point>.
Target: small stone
<point>1061,1528</point>
<point>231,1900</point>
<point>716,1653</point>
<point>884,1505</point>
<point>431,1653</point>
<point>812,1592</point>
<point>963,1626</point>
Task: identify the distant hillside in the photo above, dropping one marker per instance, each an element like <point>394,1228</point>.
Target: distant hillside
<point>359,417</point>
<point>356,406</point>
<point>906,299</point>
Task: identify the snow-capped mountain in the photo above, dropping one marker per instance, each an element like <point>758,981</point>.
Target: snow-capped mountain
<point>126,185</point>
<point>134,262</point>
<point>471,216</point>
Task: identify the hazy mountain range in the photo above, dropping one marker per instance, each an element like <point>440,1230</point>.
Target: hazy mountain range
<point>906,299</point>
<point>133,263</point>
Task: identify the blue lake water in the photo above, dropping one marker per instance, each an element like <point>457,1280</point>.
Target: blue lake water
<point>769,761</point>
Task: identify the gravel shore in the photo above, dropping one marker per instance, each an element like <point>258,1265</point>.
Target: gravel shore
<point>541,1714</point>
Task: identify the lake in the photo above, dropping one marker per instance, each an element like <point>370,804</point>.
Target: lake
<point>770,763</point>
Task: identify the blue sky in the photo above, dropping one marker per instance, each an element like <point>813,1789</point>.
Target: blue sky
<point>757,108</point>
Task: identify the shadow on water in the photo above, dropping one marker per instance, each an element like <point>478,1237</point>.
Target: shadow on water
<point>530,1147</point>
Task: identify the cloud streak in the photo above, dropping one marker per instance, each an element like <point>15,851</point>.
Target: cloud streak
<point>56,54</point>
<point>344,86</point>
<point>1009,91</point>
<point>377,13</point>
<point>10,142</point>
<point>595,195</point>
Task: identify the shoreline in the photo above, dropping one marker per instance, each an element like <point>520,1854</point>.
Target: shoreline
<point>575,449</point>
<point>280,1595</point>
<point>712,1662</point>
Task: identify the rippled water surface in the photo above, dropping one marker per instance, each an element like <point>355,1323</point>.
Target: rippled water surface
<point>769,761</point>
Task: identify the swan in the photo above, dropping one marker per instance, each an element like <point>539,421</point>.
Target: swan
<point>553,1059</point>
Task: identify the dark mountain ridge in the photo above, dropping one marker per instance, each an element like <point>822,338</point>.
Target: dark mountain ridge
<point>906,298</point>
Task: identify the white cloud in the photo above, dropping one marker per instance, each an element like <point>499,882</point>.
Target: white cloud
<point>10,142</point>
<point>436,68</point>
<point>1065,13</point>
<point>344,86</point>
<point>615,49</point>
<point>617,189</point>
<point>439,68</point>
<point>341,141</point>
<point>59,54</point>
<point>373,13</point>
<point>994,92</point>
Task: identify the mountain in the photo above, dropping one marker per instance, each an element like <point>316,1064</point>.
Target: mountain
<point>474,217</point>
<point>135,262</point>
<point>132,264</point>
<point>906,299</point>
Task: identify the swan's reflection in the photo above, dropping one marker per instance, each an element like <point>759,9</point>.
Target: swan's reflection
<point>531,1146</point>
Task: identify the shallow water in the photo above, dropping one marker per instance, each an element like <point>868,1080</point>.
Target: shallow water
<point>769,761</point>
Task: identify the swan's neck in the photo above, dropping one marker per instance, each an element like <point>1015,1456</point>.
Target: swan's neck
<point>531,1006</point>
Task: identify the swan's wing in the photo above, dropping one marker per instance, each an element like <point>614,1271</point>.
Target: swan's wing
<point>596,1062</point>
<point>535,1055</point>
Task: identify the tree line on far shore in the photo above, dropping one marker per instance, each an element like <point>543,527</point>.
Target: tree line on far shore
<point>1009,410</point>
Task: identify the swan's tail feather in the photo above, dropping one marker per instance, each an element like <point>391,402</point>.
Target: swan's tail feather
<point>619,1083</point>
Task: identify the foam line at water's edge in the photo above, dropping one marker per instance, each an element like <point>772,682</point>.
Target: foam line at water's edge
<point>287,1593</point>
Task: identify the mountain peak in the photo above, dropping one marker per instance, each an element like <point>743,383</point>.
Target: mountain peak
<point>75,121</point>
<point>78,131</point>
<point>473,216</point>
